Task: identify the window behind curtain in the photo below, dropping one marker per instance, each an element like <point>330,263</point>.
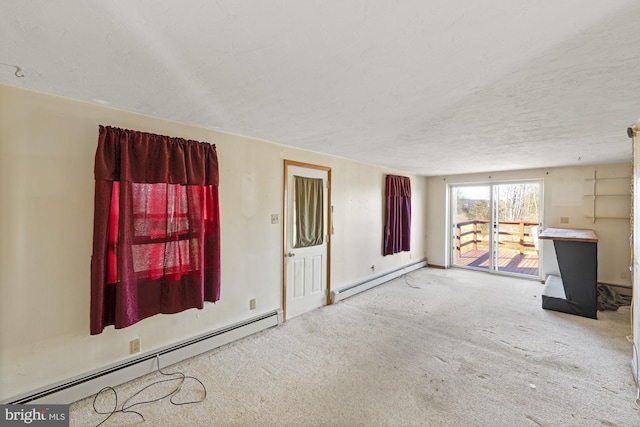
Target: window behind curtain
<point>397,232</point>
<point>308,215</point>
<point>165,241</point>
<point>156,227</point>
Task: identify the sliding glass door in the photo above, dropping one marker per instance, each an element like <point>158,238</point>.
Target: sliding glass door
<point>472,208</point>
<point>495,226</point>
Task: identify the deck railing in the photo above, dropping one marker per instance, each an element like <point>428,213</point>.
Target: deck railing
<point>524,238</point>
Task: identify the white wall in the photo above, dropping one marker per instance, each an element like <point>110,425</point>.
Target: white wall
<point>47,149</point>
<point>563,196</point>
<point>635,363</point>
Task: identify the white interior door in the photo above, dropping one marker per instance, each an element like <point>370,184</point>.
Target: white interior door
<point>306,267</point>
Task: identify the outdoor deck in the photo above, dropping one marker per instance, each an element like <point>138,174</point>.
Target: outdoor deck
<point>508,261</point>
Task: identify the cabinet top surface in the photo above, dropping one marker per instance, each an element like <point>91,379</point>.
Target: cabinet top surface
<point>569,234</point>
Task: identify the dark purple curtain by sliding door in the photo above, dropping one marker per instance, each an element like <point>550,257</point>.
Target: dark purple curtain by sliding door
<point>397,231</point>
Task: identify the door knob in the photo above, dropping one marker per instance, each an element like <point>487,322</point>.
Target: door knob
<point>290,254</point>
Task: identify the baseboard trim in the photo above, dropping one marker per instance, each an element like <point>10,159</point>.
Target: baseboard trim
<point>634,366</point>
<point>90,383</point>
<point>442,267</point>
<point>356,288</point>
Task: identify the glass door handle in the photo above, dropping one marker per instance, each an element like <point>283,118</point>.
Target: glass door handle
<point>290,254</point>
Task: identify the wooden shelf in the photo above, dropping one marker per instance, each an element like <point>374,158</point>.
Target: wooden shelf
<point>607,195</point>
<point>607,217</point>
<point>627,178</point>
<point>574,234</point>
<point>616,199</point>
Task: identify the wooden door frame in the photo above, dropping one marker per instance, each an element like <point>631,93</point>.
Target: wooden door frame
<point>328,231</point>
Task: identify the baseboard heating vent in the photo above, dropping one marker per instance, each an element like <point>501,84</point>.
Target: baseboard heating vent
<point>88,384</point>
<point>356,288</point>
<point>635,367</point>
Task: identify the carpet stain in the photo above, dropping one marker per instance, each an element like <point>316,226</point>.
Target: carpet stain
<point>514,346</point>
<point>609,390</point>
<point>483,376</point>
<point>608,423</point>
<point>535,420</point>
<point>441,359</point>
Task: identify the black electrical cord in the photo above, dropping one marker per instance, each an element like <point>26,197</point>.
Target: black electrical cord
<point>126,406</point>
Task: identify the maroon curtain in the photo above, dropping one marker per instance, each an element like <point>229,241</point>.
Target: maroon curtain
<point>156,238</point>
<point>397,230</point>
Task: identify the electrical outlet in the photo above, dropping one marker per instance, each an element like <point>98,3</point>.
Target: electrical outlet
<point>252,304</point>
<point>624,275</point>
<point>134,346</point>
<point>275,218</point>
<point>564,220</point>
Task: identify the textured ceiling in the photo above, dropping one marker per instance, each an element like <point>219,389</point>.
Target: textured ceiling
<point>433,87</point>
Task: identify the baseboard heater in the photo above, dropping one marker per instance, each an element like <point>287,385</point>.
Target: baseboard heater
<point>362,286</point>
<point>635,367</point>
<point>88,384</point>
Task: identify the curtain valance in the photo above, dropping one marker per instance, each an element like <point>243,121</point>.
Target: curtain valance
<point>398,186</point>
<point>133,156</point>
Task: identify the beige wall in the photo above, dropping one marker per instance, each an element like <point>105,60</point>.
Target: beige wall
<point>563,196</point>
<point>47,148</point>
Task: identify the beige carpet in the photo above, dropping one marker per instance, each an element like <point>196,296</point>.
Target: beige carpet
<point>433,348</point>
